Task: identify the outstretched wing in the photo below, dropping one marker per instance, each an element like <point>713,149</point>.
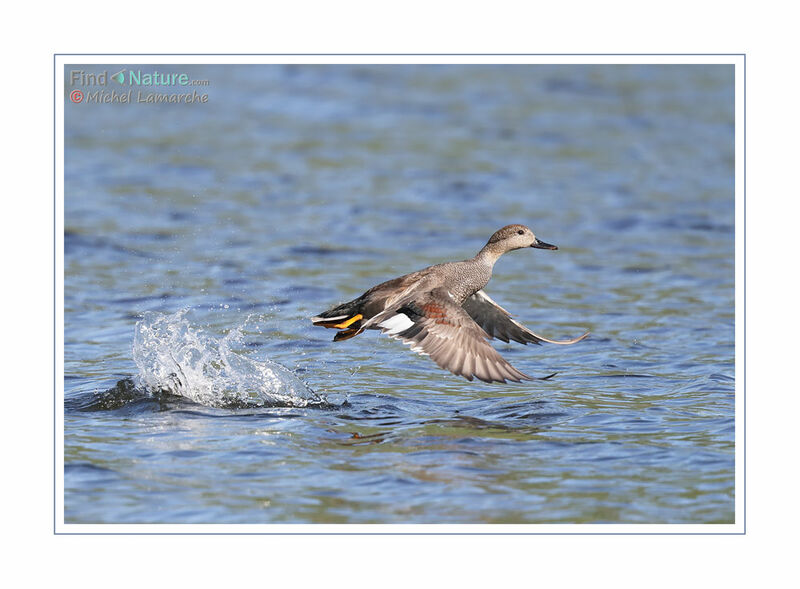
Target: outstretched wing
<point>497,322</point>
<point>434,325</point>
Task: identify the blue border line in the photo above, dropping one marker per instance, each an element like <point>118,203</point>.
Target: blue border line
<point>744,311</point>
<point>387,533</point>
<point>744,297</point>
<point>55,240</point>
<point>413,55</point>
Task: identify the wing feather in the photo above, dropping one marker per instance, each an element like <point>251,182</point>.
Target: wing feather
<point>445,331</point>
<point>497,322</point>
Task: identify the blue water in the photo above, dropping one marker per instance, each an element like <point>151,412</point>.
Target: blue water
<point>200,238</point>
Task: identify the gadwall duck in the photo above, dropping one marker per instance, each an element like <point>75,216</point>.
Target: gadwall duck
<point>442,312</point>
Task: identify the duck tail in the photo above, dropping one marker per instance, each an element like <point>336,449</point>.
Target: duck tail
<point>345,316</point>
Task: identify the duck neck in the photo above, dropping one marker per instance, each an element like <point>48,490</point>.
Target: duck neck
<point>489,255</point>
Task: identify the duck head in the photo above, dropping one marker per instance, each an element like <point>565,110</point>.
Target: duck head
<point>512,237</point>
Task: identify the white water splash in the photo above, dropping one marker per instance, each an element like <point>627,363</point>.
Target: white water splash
<point>174,356</point>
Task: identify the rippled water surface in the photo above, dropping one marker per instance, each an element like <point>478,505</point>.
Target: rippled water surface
<point>200,238</point>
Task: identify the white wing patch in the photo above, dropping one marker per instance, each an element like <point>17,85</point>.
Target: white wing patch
<point>396,324</point>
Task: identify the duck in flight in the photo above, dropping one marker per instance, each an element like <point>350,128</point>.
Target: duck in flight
<point>443,312</point>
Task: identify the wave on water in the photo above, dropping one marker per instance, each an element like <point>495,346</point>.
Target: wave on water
<point>175,357</point>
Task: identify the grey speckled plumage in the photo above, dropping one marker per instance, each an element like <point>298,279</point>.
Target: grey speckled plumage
<point>442,312</point>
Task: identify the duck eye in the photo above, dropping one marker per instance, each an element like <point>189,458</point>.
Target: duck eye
<point>521,232</point>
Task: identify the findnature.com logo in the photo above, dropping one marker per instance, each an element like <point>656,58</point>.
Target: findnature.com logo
<point>135,79</point>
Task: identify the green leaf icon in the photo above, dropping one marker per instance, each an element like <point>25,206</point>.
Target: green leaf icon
<point>119,77</point>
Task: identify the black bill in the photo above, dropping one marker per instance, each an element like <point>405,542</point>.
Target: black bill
<point>544,246</point>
